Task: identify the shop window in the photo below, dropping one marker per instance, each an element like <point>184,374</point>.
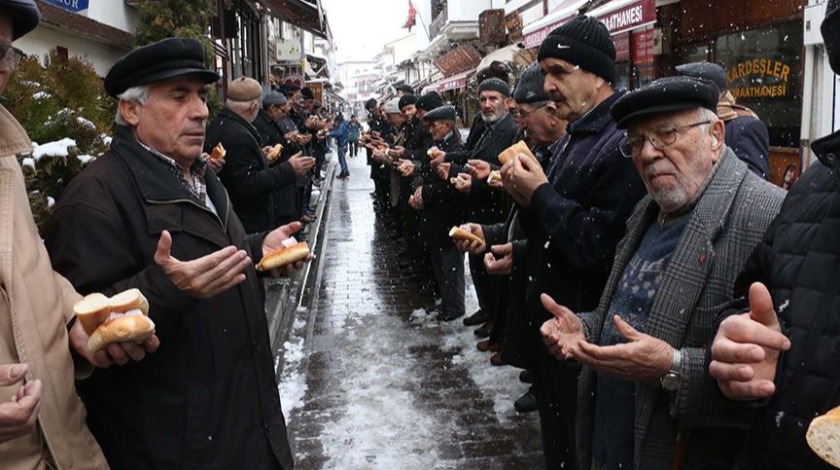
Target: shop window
<point>764,70</point>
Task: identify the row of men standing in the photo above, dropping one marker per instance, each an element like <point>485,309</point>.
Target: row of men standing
<point>558,241</point>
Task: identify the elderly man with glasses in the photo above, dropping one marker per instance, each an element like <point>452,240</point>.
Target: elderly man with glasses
<point>644,399</point>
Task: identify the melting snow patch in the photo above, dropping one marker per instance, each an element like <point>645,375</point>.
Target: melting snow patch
<point>293,383</point>
<point>28,162</point>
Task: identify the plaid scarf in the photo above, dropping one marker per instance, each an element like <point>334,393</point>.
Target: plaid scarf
<point>727,110</point>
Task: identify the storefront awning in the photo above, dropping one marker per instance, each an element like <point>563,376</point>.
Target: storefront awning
<point>299,13</point>
<point>534,33</point>
<point>618,15</point>
<point>450,83</point>
<point>509,54</point>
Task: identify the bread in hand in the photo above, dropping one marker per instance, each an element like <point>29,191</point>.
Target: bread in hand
<point>218,152</point>
<point>284,256</point>
<point>132,327</point>
<point>274,153</point>
<point>92,311</point>
<point>460,234</point>
<point>494,175</point>
<point>511,152</point>
<point>823,436</point>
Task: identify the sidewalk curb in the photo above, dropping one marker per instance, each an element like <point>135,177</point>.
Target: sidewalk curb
<point>291,293</point>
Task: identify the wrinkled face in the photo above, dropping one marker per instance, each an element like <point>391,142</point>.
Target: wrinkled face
<point>440,129</point>
<point>408,111</point>
<point>5,39</point>
<point>539,120</point>
<point>173,120</point>
<point>573,90</point>
<point>493,106</point>
<point>513,109</point>
<point>395,119</point>
<point>675,173</point>
<point>276,112</point>
<point>295,98</point>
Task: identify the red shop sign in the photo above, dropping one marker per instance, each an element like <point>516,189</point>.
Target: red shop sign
<point>630,17</point>
<point>642,47</point>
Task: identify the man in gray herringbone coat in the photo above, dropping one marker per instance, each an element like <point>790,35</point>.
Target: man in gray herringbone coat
<point>644,399</point>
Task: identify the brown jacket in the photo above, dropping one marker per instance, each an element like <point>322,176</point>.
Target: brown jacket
<point>35,305</point>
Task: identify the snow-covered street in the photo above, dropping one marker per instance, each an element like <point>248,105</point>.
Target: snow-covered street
<point>373,382</point>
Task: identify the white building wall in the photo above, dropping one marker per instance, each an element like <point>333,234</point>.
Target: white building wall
<point>40,41</point>
<point>113,13</point>
<point>467,10</point>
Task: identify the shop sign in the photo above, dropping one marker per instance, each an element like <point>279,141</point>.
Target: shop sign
<point>295,79</point>
<point>460,59</point>
<point>317,90</point>
<point>453,84</point>
<point>622,46</point>
<point>630,17</point>
<point>763,77</point>
<point>643,42</point>
<point>71,5</point>
<point>513,24</point>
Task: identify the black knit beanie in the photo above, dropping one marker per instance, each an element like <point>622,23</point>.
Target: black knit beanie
<point>831,34</point>
<point>406,100</point>
<point>494,84</point>
<point>584,42</point>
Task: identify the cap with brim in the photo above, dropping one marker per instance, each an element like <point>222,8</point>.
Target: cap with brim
<point>392,106</point>
<point>705,71</point>
<point>443,113</point>
<point>665,95</point>
<point>25,16</point>
<point>429,101</point>
<point>274,98</point>
<point>157,62</point>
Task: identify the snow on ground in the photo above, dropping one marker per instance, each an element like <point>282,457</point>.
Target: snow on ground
<point>370,433</point>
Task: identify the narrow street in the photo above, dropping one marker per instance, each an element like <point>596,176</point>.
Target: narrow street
<point>372,382</point>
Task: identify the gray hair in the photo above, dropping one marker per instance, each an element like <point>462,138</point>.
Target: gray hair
<point>705,114</point>
<point>138,94</point>
<point>242,108</point>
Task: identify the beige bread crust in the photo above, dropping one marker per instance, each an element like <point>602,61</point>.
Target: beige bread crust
<point>495,175</point>
<point>823,436</point>
<point>129,300</point>
<point>284,256</point>
<point>123,328</point>
<point>274,153</point>
<point>511,152</point>
<point>460,234</point>
<point>92,311</point>
<point>218,152</point>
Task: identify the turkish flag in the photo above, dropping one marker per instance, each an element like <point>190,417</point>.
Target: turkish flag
<point>412,16</point>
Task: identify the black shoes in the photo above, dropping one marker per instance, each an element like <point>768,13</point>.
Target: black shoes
<point>526,403</point>
<point>476,318</point>
<point>445,315</point>
<point>343,175</point>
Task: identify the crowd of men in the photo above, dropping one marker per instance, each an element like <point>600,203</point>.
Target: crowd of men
<point>671,307</point>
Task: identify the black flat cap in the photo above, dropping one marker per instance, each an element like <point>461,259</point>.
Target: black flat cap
<point>370,104</point>
<point>406,100</point>
<point>405,89</point>
<point>494,84</point>
<point>273,98</point>
<point>429,101</point>
<point>288,89</point>
<point>705,71</point>
<point>156,62</point>
<point>307,93</point>
<point>529,88</point>
<point>443,113</point>
<point>665,95</point>
<point>25,16</point>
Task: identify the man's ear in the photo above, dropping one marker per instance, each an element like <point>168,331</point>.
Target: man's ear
<point>130,111</point>
<point>717,133</point>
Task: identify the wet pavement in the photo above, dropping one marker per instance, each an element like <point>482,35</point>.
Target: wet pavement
<point>370,381</point>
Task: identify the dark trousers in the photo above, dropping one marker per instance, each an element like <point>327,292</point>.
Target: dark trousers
<point>354,147</point>
<point>488,288</point>
<point>448,269</point>
<point>555,386</point>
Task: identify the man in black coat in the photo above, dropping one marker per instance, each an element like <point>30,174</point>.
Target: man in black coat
<point>575,215</point>
<point>485,205</point>
<point>746,135</point>
<point>252,184</point>
<point>148,215</point>
<point>441,207</point>
<point>776,349</point>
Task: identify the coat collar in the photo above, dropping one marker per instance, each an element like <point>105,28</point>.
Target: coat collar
<point>828,150</point>
<point>228,114</point>
<point>597,118</point>
<point>13,138</point>
<point>496,132</point>
<point>154,179</point>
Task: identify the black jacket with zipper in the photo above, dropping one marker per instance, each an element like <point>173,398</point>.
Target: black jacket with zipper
<point>207,398</point>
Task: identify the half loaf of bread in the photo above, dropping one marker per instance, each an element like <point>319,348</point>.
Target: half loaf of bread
<point>824,436</point>
<point>511,152</point>
<point>284,256</point>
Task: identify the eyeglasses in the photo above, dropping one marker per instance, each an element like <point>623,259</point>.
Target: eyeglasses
<point>659,138</point>
<point>10,56</point>
<point>525,114</point>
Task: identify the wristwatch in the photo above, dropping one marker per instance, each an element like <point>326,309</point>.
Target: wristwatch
<point>671,380</point>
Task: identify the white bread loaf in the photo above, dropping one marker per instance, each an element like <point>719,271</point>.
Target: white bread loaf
<point>92,311</point>
<point>460,234</point>
<point>284,256</point>
<point>134,327</point>
<point>824,436</point>
<point>511,152</point>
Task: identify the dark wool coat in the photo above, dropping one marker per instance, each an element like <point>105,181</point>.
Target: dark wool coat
<point>207,399</point>
<point>799,262</point>
<point>252,184</point>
